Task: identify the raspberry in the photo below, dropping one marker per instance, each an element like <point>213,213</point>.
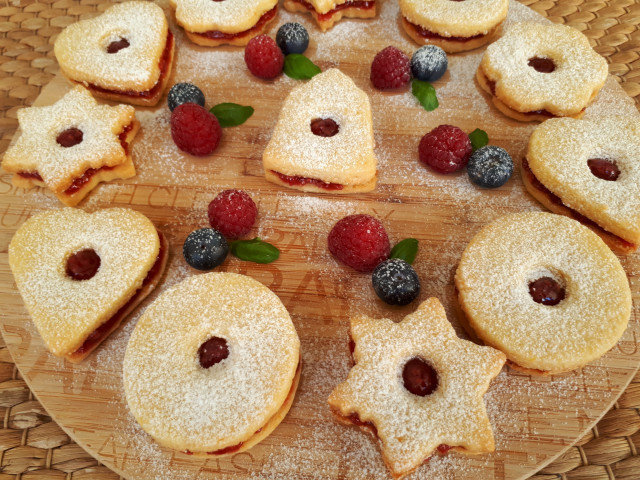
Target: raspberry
<point>232,213</point>
<point>263,57</point>
<point>445,149</point>
<point>194,129</point>
<point>390,69</point>
<point>359,241</point>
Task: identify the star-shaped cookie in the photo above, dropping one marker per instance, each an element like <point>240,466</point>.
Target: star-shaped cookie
<point>448,374</point>
<point>72,145</point>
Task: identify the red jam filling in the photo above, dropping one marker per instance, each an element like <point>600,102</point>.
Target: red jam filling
<point>163,64</point>
<point>69,137</point>
<point>547,291</point>
<point>100,333</point>
<point>355,419</point>
<point>553,198</point>
<point>117,45</point>
<point>419,377</point>
<point>362,5</point>
<point>83,264</point>
<point>542,64</point>
<point>31,175</point>
<point>424,33</point>
<point>213,351</point>
<point>217,35</point>
<point>604,169</point>
<point>295,180</point>
<point>324,127</point>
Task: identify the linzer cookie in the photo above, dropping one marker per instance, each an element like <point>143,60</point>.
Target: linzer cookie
<point>538,71</point>
<point>124,55</point>
<point>417,387</point>
<point>232,22</point>
<point>71,146</point>
<point>213,365</point>
<point>545,290</point>
<point>81,274</point>
<point>589,170</point>
<point>453,25</point>
<point>323,141</point>
<point>327,12</point>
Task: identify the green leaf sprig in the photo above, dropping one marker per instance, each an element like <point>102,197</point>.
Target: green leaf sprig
<point>425,93</point>
<point>231,114</point>
<point>254,250</point>
<point>299,67</point>
<point>405,250</point>
<point>479,139</point>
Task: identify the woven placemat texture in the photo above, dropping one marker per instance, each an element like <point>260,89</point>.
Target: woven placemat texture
<point>33,447</point>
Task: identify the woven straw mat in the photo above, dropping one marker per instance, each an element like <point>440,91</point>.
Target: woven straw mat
<point>33,447</point>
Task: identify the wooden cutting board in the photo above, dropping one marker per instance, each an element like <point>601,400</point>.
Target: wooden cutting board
<point>535,419</point>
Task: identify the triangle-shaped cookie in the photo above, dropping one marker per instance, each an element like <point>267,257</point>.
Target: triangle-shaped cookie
<point>339,156</point>
<point>74,300</point>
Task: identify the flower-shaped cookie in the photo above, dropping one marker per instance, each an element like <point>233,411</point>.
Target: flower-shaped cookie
<point>536,71</point>
<point>419,386</point>
<point>328,12</point>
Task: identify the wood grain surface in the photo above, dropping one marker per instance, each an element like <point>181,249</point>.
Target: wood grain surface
<point>535,419</point>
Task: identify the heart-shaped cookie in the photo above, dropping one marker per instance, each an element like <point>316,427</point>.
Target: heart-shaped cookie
<point>79,274</point>
<point>128,50</point>
<point>323,140</point>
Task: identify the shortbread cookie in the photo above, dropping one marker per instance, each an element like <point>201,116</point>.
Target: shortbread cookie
<point>229,343</point>
<point>327,12</point>
<point>123,55</point>
<point>539,71</point>
<point>589,170</point>
<point>81,274</point>
<point>453,25</point>
<point>231,22</point>
<point>72,145</point>
<point>545,290</point>
<point>417,387</point>
<point>323,141</point>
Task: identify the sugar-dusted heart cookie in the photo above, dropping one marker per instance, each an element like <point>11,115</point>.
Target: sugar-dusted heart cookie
<point>125,54</point>
<point>81,274</point>
<point>323,141</point>
<point>589,170</point>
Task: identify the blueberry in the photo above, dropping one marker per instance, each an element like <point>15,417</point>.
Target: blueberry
<point>490,167</point>
<point>429,63</point>
<point>292,38</point>
<point>205,249</point>
<point>184,93</point>
<point>396,282</point>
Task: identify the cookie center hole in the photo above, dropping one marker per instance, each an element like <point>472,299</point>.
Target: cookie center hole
<point>69,137</point>
<point>604,169</point>
<point>83,264</point>
<point>542,64</point>
<point>419,377</point>
<point>117,45</point>
<point>547,291</point>
<point>213,351</point>
<point>324,127</point>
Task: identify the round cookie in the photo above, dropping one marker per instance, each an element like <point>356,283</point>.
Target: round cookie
<point>213,365</point>
<point>453,26</point>
<point>537,71</point>
<point>516,258</point>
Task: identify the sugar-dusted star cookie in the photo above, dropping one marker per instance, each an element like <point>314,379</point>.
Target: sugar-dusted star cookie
<point>418,387</point>
<point>72,145</point>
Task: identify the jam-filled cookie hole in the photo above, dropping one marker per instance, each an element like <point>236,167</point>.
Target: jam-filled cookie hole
<point>117,45</point>
<point>83,264</point>
<point>419,377</point>
<point>324,127</point>
<point>542,64</point>
<point>213,351</point>
<point>604,169</point>
<point>69,137</point>
<point>547,290</point>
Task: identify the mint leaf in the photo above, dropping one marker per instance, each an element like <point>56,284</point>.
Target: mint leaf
<point>405,250</point>
<point>300,67</point>
<point>425,93</point>
<point>479,138</point>
<point>254,250</point>
<point>231,114</point>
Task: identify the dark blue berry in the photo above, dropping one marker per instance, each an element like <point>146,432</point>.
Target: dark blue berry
<point>292,38</point>
<point>490,167</point>
<point>429,63</point>
<point>184,93</point>
<point>205,249</point>
<point>396,282</point>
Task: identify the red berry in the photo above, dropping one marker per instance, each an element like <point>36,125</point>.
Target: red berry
<point>391,68</point>
<point>194,129</point>
<point>263,57</point>
<point>359,241</point>
<point>232,213</point>
<point>446,149</point>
